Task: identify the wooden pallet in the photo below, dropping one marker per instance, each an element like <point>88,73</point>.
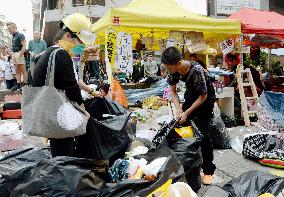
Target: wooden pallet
<point>244,99</point>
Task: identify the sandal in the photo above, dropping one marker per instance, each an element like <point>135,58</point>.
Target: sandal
<point>207,179</point>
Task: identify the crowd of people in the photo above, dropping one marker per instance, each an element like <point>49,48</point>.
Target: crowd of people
<point>16,62</point>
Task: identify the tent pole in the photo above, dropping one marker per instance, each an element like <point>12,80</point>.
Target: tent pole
<point>269,60</point>
<point>241,49</point>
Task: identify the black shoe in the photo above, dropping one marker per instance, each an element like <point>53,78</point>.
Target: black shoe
<point>24,84</point>
<point>16,87</point>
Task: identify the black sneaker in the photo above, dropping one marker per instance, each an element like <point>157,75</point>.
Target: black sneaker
<point>16,87</point>
<point>24,84</point>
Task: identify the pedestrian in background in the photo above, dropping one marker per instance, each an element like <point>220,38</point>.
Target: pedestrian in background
<point>18,59</point>
<point>36,47</point>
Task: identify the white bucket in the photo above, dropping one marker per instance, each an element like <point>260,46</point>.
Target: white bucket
<point>181,189</point>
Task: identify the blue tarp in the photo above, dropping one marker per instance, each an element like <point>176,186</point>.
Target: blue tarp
<point>273,102</point>
<point>157,89</point>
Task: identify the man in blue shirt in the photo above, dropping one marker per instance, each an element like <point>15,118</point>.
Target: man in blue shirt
<point>36,48</point>
<point>18,59</point>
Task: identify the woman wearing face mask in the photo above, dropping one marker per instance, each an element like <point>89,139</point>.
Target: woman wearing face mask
<point>65,77</point>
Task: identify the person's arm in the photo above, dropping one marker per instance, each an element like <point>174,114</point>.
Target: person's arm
<point>88,89</point>
<point>64,73</point>
<point>193,107</point>
<point>23,42</point>
<point>30,46</point>
<point>175,99</point>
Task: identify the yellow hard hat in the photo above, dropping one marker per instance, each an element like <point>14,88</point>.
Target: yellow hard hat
<point>185,132</point>
<point>77,22</point>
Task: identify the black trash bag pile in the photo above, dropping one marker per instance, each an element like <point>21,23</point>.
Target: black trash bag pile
<point>254,183</point>
<point>188,151</point>
<point>218,132</point>
<point>35,173</point>
<point>108,136</point>
<point>18,161</point>
<point>59,176</point>
<point>263,146</point>
<point>249,184</point>
<point>172,169</point>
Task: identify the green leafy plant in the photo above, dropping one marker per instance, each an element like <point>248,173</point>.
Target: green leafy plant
<point>262,62</point>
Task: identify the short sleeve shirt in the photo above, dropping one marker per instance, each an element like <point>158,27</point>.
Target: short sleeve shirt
<point>17,42</point>
<point>37,46</point>
<point>197,83</point>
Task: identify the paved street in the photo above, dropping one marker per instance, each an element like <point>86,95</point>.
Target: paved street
<point>231,164</point>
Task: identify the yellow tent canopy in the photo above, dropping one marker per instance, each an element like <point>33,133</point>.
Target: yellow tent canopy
<point>160,17</point>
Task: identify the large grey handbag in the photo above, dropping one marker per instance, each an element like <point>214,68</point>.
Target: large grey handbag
<point>47,112</point>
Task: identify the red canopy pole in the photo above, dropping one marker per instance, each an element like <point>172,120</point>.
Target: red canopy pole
<point>241,50</point>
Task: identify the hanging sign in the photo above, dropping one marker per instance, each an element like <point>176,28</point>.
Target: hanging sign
<point>195,42</point>
<point>170,43</point>
<point>111,47</point>
<point>227,46</point>
<point>116,21</point>
<point>110,53</point>
<point>124,59</point>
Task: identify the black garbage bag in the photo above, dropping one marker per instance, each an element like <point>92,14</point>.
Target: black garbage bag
<point>42,175</point>
<point>104,138</point>
<point>188,151</point>
<point>17,161</point>
<point>172,169</point>
<point>59,176</point>
<point>253,184</point>
<point>99,106</point>
<point>21,159</point>
<point>218,132</point>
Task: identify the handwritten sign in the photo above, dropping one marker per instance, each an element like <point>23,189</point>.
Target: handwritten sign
<point>195,42</point>
<point>124,58</point>
<point>111,47</point>
<point>227,46</point>
<point>110,53</point>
